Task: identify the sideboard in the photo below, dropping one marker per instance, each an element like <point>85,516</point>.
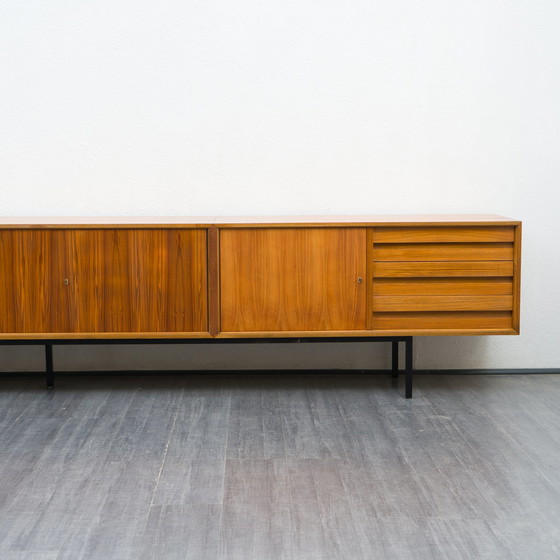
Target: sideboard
<point>313,278</point>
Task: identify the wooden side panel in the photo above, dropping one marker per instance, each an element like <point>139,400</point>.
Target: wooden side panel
<point>292,279</point>
<point>369,271</point>
<point>461,234</point>
<point>435,252</point>
<point>442,269</point>
<point>442,303</point>
<point>517,280</point>
<point>442,286</point>
<point>467,320</point>
<point>24,271</point>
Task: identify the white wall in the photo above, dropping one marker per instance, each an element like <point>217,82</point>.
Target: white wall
<point>297,107</point>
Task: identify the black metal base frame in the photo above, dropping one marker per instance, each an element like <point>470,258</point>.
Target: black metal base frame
<point>394,340</point>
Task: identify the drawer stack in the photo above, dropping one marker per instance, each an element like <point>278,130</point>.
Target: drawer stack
<point>442,277</point>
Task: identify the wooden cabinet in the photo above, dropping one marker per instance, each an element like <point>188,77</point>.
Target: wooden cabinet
<point>259,277</point>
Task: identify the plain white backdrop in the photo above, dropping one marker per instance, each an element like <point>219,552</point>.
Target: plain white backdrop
<point>294,107</point>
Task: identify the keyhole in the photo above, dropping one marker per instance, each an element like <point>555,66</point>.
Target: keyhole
<point>66,282</point>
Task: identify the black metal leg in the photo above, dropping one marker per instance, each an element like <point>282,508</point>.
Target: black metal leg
<point>395,359</point>
<point>49,365</point>
<point>408,368</point>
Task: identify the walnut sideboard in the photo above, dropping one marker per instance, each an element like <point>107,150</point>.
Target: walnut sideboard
<point>389,278</point>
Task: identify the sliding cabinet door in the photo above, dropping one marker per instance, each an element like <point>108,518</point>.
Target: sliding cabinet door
<point>141,282</point>
<point>130,281</point>
<point>292,279</point>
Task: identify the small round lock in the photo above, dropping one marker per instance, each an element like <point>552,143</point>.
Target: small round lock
<point>66,282</point>
<point>359,279</point>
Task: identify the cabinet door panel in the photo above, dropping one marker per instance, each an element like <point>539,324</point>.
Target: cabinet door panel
<point>103,281</point>
<point>290,279</point>
<point>130,281</point>
<point>25,305</point>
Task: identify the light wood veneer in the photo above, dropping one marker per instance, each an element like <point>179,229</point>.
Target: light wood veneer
<point>293,279</point>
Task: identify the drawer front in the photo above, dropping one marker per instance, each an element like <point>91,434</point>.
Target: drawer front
<point>443,303</point>
<point>442,286</point>
<point>442,278</point>
<point>477,234</point>
<point>435,252</point>
<point>441,320</point>
<point>429,269</point>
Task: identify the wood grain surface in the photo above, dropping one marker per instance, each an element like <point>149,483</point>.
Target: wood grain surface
<point>444,234</point>
<point>445,320</point>
<point>400,220</point>
<point>441,286</point>
<point>213,281</point>
<point>434,252</point>
<point>293,280</point>
<point>87,277</point>
<point>442,303</point>
<point>167,222</point>
<point>369,271</point>
<point>442,269</point>
<point>25,268</point>
<point>517,279</point>
<point>447,278</point>
<point>88,281</point>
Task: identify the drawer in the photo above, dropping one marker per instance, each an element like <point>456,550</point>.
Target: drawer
<point>442,303</point>
<point>443,252</point>
<point>443,320</point>
<point>442,269</point>
<point>442,286</point>
<point>476,234</point>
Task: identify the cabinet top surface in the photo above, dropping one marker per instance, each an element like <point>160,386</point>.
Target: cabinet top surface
<point>251,221</point>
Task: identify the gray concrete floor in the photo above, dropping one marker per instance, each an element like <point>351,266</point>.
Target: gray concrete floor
<point>280,467</point>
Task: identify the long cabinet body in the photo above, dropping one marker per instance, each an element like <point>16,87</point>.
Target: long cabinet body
<point>112,278</point>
